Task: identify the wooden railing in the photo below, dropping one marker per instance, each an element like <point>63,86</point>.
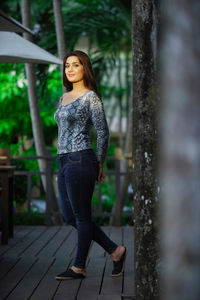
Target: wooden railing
<point>98,212</point>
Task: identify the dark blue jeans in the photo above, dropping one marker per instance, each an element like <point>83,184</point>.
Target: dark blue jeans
<point>77,174</point>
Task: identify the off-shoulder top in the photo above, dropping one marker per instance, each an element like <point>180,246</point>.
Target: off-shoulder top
<point>75,120</point>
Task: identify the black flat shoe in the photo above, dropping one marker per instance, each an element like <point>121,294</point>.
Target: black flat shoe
<point>69,274</point>
<point>118,266</point>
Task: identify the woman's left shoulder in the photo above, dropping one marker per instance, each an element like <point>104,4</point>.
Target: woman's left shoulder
<point>91,92</point>
<point>92,95</point>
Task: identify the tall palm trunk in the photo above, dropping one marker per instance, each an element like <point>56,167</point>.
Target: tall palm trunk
<point>60,34</point>
<point>34,108</point>
<point>120,102</point>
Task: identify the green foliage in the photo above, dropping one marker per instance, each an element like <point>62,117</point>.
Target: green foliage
<point>14,112</point>
<point>101,221</point>
<point>99,20</point>
<point>29,220</point>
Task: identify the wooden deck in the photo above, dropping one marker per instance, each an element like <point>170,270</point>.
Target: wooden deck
<point>29,263</point>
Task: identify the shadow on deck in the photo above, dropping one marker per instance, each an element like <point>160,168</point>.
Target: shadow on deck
<point>31,260</point>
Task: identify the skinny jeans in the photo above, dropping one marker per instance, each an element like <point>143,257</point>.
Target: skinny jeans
<point>77,174</point>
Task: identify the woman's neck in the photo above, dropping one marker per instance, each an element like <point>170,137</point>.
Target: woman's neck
<point>79,86</point>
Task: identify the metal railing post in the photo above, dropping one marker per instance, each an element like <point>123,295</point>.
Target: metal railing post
<point>29,177</point>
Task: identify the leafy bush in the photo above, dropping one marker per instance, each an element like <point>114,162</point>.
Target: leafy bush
<point>29,220</point>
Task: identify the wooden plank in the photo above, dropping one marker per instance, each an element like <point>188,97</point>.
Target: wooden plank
<point>19,234</point>
<point>26,287</point>
<point>112,285</point>
<point>26,242</point>
<point>39,243</point>
<point>68,289</point>
<point>56,242</point>
<point>30,277</point>
<point>10,281</point>
<point>128,286</point>
<point>68,248</point>
<point>91,285</point>
<point>109,297</point>
<point>49,285</point>
<point>6,264</point>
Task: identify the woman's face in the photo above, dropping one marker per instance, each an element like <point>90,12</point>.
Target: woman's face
<point>73,69</point>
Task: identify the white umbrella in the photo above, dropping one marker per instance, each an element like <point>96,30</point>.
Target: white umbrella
<point>14,48</point>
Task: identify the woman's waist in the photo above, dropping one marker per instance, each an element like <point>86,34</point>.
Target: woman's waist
<point>83,156</point>
<point>81,151</point>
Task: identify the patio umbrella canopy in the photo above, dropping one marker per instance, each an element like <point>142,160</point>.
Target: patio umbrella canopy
<point>14,48</point>
<point>9,24</point>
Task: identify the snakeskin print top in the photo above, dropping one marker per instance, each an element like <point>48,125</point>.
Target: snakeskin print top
<point>75,121</point>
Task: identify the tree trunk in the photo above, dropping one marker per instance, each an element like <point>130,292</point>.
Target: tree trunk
<point>127,64</point>
<point>115,219</point>
<point>180,155</point>
<point>60,34</point>
<point>145,102</point>
<point>34,108</point>
<point>120,102</point>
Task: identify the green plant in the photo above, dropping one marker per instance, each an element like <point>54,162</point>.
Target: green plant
<point>29,220</point>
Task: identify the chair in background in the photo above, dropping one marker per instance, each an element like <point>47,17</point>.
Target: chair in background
<point>6,195</point>
<point>5,157</point>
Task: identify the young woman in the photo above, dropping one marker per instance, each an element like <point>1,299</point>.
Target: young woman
<point>79,166</point>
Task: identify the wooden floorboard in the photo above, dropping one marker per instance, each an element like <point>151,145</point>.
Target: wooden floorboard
<point>18,236</point>
<point>128,286</point>
<point>112,285</point>
<point>48,285</point>
<point>32,259</point>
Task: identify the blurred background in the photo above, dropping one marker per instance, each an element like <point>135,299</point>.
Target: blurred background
<point>103,30</point>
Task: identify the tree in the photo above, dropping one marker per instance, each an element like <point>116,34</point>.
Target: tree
<point>60,35</point>
<point>180,148</point>
<point>34,107</point>
<point>145,186</point>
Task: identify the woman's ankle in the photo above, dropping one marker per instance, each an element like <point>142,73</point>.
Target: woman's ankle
<point>78,270</point>
<point>116,255</point>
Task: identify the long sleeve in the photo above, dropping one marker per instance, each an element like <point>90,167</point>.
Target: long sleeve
<point>100,123</point>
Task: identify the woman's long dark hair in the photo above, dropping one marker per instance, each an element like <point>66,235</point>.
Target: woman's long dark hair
<point>88,76</point>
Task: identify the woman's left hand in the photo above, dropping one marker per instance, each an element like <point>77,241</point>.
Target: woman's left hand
<point>101,175</point>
